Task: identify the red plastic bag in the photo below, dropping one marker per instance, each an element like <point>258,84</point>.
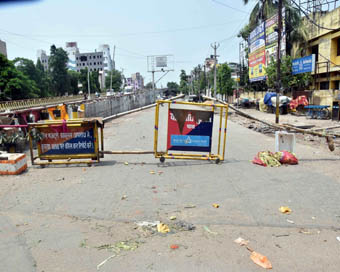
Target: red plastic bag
<point>258,161</point>
<point>288,158</point>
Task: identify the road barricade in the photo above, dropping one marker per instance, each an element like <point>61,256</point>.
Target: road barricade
<point>62,141</point>
<point>184,127</point>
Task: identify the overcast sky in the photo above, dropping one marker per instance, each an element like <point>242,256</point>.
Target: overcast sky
<point>183,28</point>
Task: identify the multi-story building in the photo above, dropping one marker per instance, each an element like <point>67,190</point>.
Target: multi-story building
<point>325,44</point>
<point>135,82</point>
<point>72,49</point>
<point>93,61</point>
<point>3,49</point>
<point>41,55</point>
<point>109,64</point>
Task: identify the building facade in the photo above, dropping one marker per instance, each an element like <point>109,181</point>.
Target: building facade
<point>41,55</point>
<point>72,49</point>
<point>135,82</point>
<point>3,48</point>
<point>93,61</point>
<point>109,64</point>
<point>325,44</point>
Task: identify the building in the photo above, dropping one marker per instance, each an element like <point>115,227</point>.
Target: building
<point>135,82</point>
<point>72,49</point>
<point>3,49</point>
<point>108,62</point>
<point>325,44</point>
<point>41,55</point>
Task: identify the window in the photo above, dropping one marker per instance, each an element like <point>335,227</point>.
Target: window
<point>89,57</point>
<point>91,70</point>
<point>83,64</point>
<point>336,84</point>
<point>95,69</point>
<point>315,50</point>
<point>324,85</point>
<point>338,47</point>
<point>77,58</point>
<point>94,63</point>
<point>83,58</point>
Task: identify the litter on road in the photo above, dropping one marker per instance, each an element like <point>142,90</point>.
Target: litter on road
<point>124,197</point>
<point>285,210</point>
<point>174,246</point>
<point>338,238</point>
<point>148,223</point>
<point>260,260</point>
<point>242,242</point>
<point>267,158</point>
<point>190,206</point>
<point>173,217</point>
<point>208,230</point>
<point>290,221</point>
<point>152,172</point>
<point>162,228</point>
<point>126,163</point>
<point>216,205</point>
<point>103,262</point>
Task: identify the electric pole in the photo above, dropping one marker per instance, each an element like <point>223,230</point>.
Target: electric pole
<point>278,61</point>
<point>88,82</point>
<point>112,66</point>
<point>215,46</point>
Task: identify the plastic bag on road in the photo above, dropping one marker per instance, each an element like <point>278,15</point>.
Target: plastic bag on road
<point>286,157</point>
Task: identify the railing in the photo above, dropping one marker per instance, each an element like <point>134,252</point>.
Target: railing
<point>37,102</point>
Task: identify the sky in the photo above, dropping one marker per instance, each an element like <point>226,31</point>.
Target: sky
<point>182,28</point>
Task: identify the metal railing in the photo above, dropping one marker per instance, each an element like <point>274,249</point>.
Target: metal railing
<point>37,102</point>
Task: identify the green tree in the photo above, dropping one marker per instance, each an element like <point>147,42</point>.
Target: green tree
<point>183,84</point>
<point>43,80</point>
<point>116,80</point>
<point>13,83</point>
<point>74,79</point>
<point>148,86</point>
<point>94,81</point>
<point>288,81</point>
<point>57,62</point>
<point>173,87</point>
<point>224,81</point>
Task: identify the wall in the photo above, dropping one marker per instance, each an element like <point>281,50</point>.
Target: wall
<point>113,105</point>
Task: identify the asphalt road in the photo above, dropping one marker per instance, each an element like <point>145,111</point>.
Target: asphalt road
<point>68,218</point>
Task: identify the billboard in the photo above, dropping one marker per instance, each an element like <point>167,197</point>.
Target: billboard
<point>161,61</point>
<point>257,38</point>
<point>190,130</point>
<point>303,65</point>
<point>257,63</point>
<point>272,36</point>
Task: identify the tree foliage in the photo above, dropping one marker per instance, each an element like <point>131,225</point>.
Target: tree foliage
<point>288,81</point>
<point>116,80</point>
<point>173,87</point>
<point>60,83</point>
<point>224,81</point>
<point>183,83</point>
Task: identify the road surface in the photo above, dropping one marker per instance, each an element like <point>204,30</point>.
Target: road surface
<point>73,218</point>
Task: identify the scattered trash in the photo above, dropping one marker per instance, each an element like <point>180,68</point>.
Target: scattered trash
<point>174,246</point>
<point>304,231</point>
<point>285,210</point>
<point>152,172</point>
<point>338,238</point>
<point>60,179</point>
<point>277,245</point>
<point>173,217</point>
<point>313,217</point>
<point>280,235</point>
<point>260,260</point>
<point>215,205</point>
<point>290,221</point>
<point>148,224</point>
<point>330,143</point>
<point>160,172</point>
<point>153,187</point>
<point>103,262</point>
<point>208,230</point>
<point>126,163</point>
<point>267,158</point>
<point>190,206</point>
<point>162,228</point>
<point>83,244</point>
<point>184,226</point>
<point>154,191</point>
<point>117,247</point>
<point>241,241</point>
<point>84,169</point>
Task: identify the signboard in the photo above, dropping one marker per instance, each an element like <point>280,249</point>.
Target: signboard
<point>190,130</point>
<point>303,65</point>
<point>272,36</point>
<point>161,61</point>
<point>62,140</point>
<point>257,62</point>
<point>257,38</point>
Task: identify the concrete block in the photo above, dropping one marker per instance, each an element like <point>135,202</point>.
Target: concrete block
<point>12,163</point>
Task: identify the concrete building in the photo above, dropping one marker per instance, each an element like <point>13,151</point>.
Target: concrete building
<point>135,82</point>
<point>109,64</point>
<point>72,49</point>
<point>41,55</point>
<point>3,48</point>
<point>325,44</point>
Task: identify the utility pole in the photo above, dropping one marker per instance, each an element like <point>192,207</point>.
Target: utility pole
<point>88,82</point>
<point>215,46</point>
<point>205,80</point>
<point>153,84</point>
<point>112,66</point>
<point>278,61</point>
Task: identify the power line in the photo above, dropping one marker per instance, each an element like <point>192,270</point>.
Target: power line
<point>312,21</point>
<point>225,5</point>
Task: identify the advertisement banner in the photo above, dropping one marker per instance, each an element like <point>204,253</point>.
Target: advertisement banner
<point>257,62</point>
<point>190,130</point>
<point>303,65</point>
<point>67,140</point>
<point>272,36</point>
<point>257,38</point>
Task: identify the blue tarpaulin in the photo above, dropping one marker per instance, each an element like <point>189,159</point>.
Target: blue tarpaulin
<point>268,98</point>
